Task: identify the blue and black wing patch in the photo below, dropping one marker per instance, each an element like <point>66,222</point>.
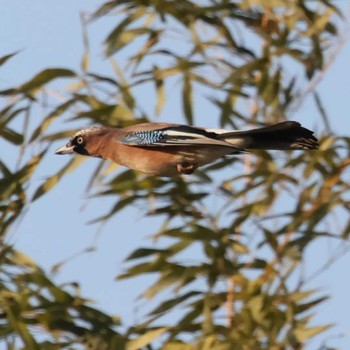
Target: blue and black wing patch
<point>181,135</point>
<point>143,138</point>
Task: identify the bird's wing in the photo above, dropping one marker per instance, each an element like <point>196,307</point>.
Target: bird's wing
<point>180,135</point>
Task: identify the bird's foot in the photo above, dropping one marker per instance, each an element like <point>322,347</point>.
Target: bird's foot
<point>186,168</point>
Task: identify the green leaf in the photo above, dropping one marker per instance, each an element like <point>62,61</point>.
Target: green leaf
<point>144,252</point>
<point>145,339</point>
<point>346,231</point>
<point>168,277</point>
<point>148,267</point>
<point>103,79</point>
<point>45,77</point>
<point>160,95</point>
<point>171,303</point>
<point>322,111</point>
<point>20,327</point>
<point>187,98</point>
<point>57,112</point>
<point>207,323</point>
<point>300,308</point>
<point>105,8</point>
<point>53,180</point>
<point>118,39</point>
<point>5,58</point>
<point>115,40</point>
<point>8,114</point>
<point>12,184</point>
<point>198,233</point>
<point>257,308</point>
<point>11,136</point>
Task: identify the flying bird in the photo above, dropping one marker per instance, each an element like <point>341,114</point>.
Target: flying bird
<point>170,149</point>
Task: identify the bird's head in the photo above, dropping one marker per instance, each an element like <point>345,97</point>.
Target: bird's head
<point>85,142</point>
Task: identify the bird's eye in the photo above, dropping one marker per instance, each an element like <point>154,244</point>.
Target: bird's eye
<point>79,140</point>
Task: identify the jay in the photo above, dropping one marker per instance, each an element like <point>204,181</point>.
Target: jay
<point>170,149</point>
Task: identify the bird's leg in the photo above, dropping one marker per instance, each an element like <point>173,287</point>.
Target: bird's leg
<point>186,168</point>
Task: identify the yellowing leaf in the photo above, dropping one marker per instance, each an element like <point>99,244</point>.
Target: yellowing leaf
<point>177,345</point>
<point>160,95</point>
<point>239,247</point>
<point>145,339</point>
<point>303,334</point>
<point>21,259</point>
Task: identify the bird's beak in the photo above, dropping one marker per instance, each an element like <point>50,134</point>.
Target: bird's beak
<point>67,149</point>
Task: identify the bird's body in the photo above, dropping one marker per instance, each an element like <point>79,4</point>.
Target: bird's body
<point>170,149</point>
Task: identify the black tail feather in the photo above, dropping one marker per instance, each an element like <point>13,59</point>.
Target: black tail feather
<point>282,136</point>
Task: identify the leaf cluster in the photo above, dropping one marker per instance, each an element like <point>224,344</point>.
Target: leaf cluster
<point>225,274</point>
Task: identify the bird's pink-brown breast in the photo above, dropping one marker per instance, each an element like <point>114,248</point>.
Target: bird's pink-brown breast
<point>164,161</point>
<point>148,160</point>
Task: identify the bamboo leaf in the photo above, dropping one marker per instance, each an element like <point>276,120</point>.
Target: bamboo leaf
<point>144,252</point>
<point>45,77</point>
<point>5,58</point>
<point>118,39</point>
<point>53,180</point>
<point>187,99</point>
<point>21,328</point>
<point>303,334</point>
<point>177,345</point>
<point>145,339</point>
<point>160,95</point>
<point>11,136</point>
<point>239,247</point>
<point>171,303</point>
<point>51,118</point>
<point>21,259</point>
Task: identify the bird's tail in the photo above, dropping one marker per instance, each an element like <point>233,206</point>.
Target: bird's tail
<point>282,136</point>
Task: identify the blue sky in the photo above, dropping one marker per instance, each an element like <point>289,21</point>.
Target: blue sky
<point>49,35</point>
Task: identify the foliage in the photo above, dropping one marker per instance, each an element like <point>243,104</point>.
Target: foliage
<point>251,60</point>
